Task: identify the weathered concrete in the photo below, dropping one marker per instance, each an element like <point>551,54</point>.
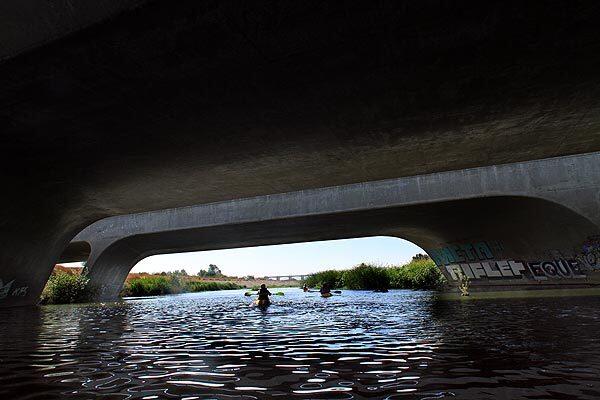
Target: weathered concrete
<point>512,218</point>
<point>126,107</point>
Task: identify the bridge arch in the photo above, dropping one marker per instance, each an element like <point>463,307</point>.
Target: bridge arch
<point>510,228</point>
<point>543,216</point>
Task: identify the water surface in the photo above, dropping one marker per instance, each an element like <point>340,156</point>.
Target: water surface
<point>398,345</point>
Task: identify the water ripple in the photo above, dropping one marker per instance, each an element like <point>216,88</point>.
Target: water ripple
<point>359,345</point>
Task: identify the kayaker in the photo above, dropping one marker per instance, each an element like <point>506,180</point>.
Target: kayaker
<point>263,293</point>
<point>325,289</point>
<point>305,288</point>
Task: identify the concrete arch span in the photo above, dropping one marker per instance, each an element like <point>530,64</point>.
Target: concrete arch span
<point>504,225</point>
<point>487,229</point>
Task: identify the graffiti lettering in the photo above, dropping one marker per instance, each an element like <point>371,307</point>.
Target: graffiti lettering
<point>556,269</point>
<point>589,257</point>
<point>20,292</point>
<point>464,253</point>
<point>536,270</point>
<point>487,269</point>
<point>5,290</point>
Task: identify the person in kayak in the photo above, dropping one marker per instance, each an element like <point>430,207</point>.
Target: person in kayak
<point>263,293</point>
<point>305,288</point>
<point>325,289</point>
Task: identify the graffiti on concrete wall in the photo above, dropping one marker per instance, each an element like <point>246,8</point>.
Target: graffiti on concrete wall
<point>466,253</point>
<point>589,254</point>
<point>483,261</point>
<point>510,269</point>
<point>555,269</point>
<point>8,289</point>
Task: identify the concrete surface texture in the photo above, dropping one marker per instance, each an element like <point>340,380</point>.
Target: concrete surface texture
<point>514,226</point>
<point>129,107</point>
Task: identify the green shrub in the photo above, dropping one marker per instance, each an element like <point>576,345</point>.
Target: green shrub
<point>63,288</point>
<point>331,276</point>
<point>418,274</point>
<point>366,276</point>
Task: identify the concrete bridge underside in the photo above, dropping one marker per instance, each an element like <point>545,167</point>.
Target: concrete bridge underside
<point>131,106</point>
<point>515,226</point>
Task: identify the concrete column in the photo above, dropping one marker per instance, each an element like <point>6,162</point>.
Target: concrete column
<point>31,248</point>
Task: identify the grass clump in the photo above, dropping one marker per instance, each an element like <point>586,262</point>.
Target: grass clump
<point>65,288</point>
<point>174,284</point>
<point>152,286</point>
<point>366,276</point>
<point>420,273</point>
<point>199,286</point>
<point>332,277</point>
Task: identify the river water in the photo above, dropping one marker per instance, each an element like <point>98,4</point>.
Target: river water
<point>398,345</point>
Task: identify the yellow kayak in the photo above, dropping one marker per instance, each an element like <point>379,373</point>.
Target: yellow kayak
<point>262,303</point>
<point>326,294</point>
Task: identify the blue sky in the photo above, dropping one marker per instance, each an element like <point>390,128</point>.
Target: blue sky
<point>284,259</point>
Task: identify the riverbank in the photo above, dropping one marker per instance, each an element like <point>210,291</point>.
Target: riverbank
<point>157,285</point>
<point>68,285</point>
<point>244,283</point>
<point>144,284</point>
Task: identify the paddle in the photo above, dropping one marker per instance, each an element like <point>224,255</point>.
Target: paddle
<point>333,291</point>
<point>274,294</point>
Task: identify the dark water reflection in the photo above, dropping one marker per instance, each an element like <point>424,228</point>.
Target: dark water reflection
<point>400,345</point>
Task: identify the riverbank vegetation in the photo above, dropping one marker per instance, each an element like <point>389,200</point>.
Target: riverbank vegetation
<point>420,273</point>
<point>153,285</point>
<point>366,276</point>
<point>69,285</point>
<point>66,287</point>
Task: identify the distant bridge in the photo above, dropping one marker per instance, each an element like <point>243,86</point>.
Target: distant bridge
<point>288,277</point>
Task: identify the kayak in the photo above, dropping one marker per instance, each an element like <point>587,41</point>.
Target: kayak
<point>262,303</point>
<point>326,294</point>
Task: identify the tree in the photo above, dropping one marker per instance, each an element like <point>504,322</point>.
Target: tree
<point>213,270</point>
